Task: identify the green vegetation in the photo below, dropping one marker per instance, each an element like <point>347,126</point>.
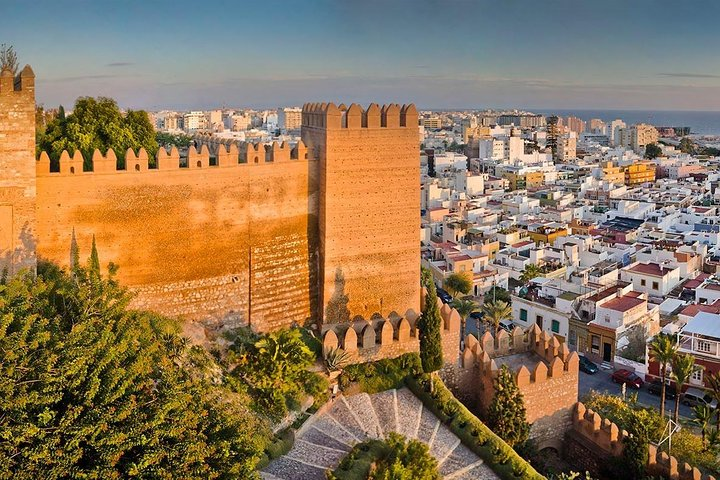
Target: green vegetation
<point>8,59</point>
<point>506,415</point>
<point>473,433</point>
<point>459,283</point>
<point>394,459</point>
<point>464,307</point>
<point>99,124</point>
<point>529,272</point>
<point>646,425</point>
<point>336,359</point>
<point>652,150</point>
<point>90,389</point>
<point>495,312</point>
<point>374,377</point>
<point>171,140</point>
<point>682,368</point>
<point>498,293</point>
<point>687,145</point>
<point>280,445</point>
<point>662,349</point>
<point>429,325</point>
<point>274,367</point>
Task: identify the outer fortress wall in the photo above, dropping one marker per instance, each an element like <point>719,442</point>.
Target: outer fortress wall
<point>368,212</point>
<point>228,243</point>
<point>17,181</point>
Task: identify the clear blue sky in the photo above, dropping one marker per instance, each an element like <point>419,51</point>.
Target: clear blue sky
<point>622,54</point>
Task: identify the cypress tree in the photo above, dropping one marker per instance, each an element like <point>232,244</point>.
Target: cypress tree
<point>94,262</point>
<point>431,353</point>
<point>506,414</point>
<point>74,252</point>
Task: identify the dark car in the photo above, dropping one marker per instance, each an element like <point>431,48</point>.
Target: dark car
<point>628,378</point>
<point>443,295</point>
<point>587,366</point>
<point>655,388</point>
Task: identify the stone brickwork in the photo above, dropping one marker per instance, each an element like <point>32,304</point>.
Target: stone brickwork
<point>17,182</point>
<point>592,440</point>
<point>546,373</point>
<point>388,338</point>
<point>368,211</point>
<point>243,234</point>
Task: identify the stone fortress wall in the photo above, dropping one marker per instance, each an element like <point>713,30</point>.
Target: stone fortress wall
<point>267,235</point>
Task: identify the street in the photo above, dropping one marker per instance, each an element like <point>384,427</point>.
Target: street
<point>601,382</point>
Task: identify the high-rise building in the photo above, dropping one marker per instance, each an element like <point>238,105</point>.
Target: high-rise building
<point>642,135</point>
<point>194,121</point>
<point>614,131</point>
<point>554,128</point>
<point>566,148</point>
<point>575,124</point>
<point>289,118</point>
<point>597,126</point>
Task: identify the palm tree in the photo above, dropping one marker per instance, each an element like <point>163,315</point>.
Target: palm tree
<point>703,417</point>
<point>682,367</point>
<point>663,348</point>
<point>712,381</point>
<point>465,307</point>
<point>495,312</point>
<point>459,283</point>
<point>529,272</point>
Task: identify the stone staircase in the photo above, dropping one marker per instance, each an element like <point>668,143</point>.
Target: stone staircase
<point>330,434</point>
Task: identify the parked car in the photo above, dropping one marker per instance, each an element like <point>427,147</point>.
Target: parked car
<point>507,325</point>
<point>444,296</point>
<point>695,396</point>
<point>628,378</point>
<point>655,388</point>
<point>587,366</point>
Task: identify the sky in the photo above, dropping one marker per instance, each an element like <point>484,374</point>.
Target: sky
<point>460,54</point>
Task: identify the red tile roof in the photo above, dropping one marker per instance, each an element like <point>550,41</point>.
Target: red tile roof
<point>522,244</point>
<point>652,269</point>
<point>623,304</point>
<point>692,310</point>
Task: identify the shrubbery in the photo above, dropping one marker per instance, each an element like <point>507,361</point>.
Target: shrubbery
<point>374,377</point>
<point>474,434</point>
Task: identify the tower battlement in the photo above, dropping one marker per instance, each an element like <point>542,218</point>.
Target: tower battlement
<point>332,117</point>
<point>23,82</point>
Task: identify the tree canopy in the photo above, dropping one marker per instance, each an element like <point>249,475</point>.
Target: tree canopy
<point>459,283</point>
<point>652,150</point>
<point>9,59</point>
<point>506,413</point>
<point>90,389</point>
<point>98,123</point>
<point>429,325</point>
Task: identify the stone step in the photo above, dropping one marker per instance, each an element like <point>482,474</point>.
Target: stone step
<point>343,414</point>
<point>409,411</point>
<point>479,471</point>
<point>443,443</point>
<point>286,468</point>
<point>330,427</point>
<point>316,455</point>
<point>318,437</point>
<point>362,408</point>
<point>384,404</point>
<point>428,425</point>
<point>458,461</point>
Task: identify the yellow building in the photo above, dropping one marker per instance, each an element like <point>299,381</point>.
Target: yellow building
<point>521,181</point>
<point>639,173</point>
<point>614,174</point>
<point>547,235</point>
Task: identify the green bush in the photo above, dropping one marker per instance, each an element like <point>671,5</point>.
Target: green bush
<point>386,374</point>
<point>473,433</point>
<point>281,444</point>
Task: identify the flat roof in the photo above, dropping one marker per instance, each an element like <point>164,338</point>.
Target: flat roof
<point>704,323</point>
<point>623,304</point>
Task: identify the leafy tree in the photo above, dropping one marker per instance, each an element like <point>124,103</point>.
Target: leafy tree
<point>464,307</point>
<point>652,150</point>
<point>459,283</point>
<point>169,140</point>
<point>529,272</point>
<point>89,389</point>
<point>703,418</point>
<point>99,124</point>
<point>406,460</point>
<point>682,368</point>
<point>8,59</point>
<point>429,325</point>
<point>663,348</point>
<point>497,293</point>
<point>635,451</point>
<point>506,413</point>
<point>495,312</point>
<point>687,145</point>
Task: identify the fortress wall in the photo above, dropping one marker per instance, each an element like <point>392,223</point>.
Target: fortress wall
<point>224,243</point>
<point>368,209</point>
<point>17,182</point>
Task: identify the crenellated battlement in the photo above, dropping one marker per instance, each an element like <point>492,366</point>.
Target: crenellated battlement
<point>23,82</point>
<point>666,466</point>
<point>388,337</point>
<point>226,156</point>
<point>329,116</point>
<point>601,432</point>
<point>555,359</point>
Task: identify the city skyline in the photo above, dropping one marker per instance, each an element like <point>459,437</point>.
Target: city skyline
<point>439,55</point>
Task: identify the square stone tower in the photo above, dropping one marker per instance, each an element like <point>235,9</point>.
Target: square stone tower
<point>369,208</point>
<point>17,164</point>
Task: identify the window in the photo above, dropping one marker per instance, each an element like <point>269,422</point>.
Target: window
<point>523,315</point>
<point>642,282</point>
<point>697,375</point>
<point>555,326</point>
<point>595,346</point>
<point>655,285</point>
<point>703,346</point>
<point>539,320</point>
<point>703,300</point>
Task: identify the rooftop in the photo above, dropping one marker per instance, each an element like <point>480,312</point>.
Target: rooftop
<point>653,269</point>
<point>623,304</point>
